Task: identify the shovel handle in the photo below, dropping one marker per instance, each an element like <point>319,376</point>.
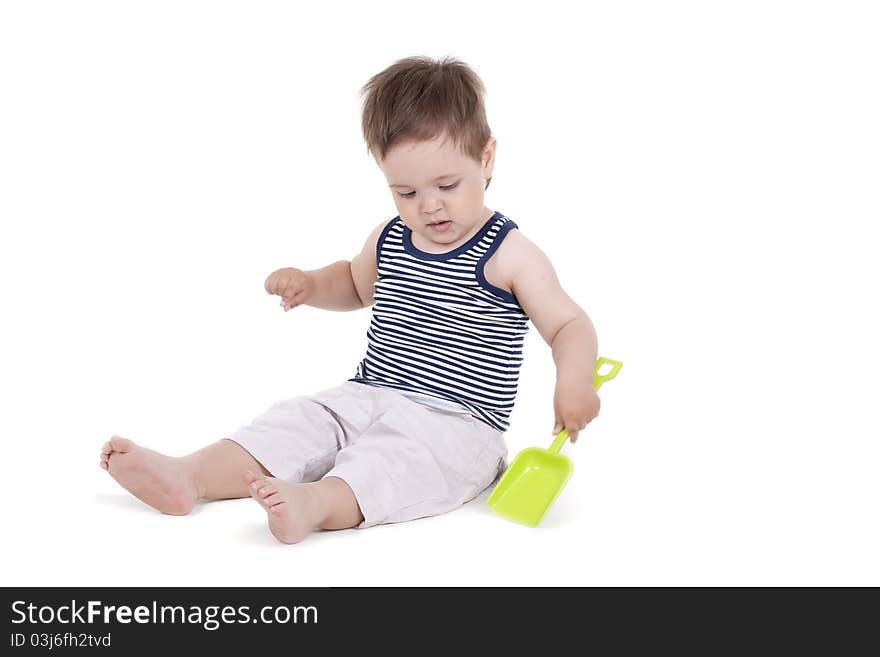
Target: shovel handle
<point>559,441</point>
<point>598,380</point>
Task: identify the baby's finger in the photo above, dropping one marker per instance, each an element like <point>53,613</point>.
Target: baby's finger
<point>290,289</point>
<point>269,285</point>
<point>574,428</point>
<point>292,301</point>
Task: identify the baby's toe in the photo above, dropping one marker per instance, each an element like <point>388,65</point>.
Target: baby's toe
<point>272,500</point>
<point>249,477</point>
<point>120,444</point>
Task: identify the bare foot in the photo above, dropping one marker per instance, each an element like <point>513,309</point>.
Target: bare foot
<point>292,509</point>
<point>161,481</point>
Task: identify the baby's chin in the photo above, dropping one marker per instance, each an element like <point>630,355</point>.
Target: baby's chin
<point>452,234</point>
<point>447,238</point>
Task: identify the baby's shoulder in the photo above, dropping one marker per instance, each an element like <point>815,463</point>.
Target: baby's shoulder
<point>514,254</point>
<point>516,250</point>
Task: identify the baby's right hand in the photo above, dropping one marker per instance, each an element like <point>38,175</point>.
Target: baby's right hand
<point>294,286</point>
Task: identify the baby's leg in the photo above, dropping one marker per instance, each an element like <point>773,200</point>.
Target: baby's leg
<point>217,470</point>
<point>295,510</point>
<point>173,485</point>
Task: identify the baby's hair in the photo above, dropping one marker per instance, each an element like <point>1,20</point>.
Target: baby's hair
<point>418,98</point>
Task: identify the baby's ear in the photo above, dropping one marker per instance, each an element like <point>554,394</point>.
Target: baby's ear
<point>488,158</point>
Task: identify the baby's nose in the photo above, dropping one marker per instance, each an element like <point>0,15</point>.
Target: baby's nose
<point>430,206</point>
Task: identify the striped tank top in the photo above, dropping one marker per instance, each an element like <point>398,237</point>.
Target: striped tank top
<point>440,329</point>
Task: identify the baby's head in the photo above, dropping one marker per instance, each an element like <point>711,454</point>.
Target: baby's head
<point>425,124</point>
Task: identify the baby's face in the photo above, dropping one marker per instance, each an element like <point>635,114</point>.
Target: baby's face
<point>431,182</point>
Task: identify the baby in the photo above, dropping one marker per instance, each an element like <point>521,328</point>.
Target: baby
<point>419,429</point>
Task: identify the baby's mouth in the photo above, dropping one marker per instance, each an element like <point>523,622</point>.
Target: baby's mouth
<point>440,225</point>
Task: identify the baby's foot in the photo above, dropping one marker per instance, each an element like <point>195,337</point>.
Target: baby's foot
<point>161,481</point>
<point>291,507</point>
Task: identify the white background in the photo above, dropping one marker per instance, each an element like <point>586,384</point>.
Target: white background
<point>704,177</point>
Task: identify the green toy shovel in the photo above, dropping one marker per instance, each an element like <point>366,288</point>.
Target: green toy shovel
<point>536,476</point>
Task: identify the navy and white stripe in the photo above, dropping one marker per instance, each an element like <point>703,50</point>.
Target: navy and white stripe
<point>440,328</point>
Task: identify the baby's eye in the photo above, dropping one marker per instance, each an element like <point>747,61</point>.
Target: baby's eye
<point>445,188</point>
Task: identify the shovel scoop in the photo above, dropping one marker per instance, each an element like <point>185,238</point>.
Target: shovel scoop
<point>536,476</point>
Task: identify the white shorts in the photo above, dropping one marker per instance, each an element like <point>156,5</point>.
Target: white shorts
<point>403,459</point>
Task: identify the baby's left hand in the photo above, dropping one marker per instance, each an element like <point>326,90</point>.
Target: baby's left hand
<point>575,405</point>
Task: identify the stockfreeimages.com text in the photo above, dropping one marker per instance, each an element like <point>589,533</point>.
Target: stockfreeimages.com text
<point>210,617</point>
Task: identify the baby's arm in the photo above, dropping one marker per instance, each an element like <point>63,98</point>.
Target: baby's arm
<point>563,325</point>
<point>343,285</point>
